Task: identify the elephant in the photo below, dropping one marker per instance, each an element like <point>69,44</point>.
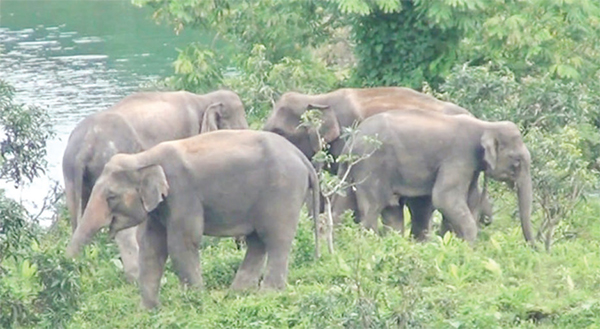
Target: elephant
<point>134,124</point>
<point>342,108</point>
<point>345,107</point>
<point>435,160</point>
<point>224,183</point>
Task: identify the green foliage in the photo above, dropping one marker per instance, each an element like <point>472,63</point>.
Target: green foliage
<point>493,92</point>
<point>272,43</point>
<point>37,285</point>
<point>419,41</point>
<point>539,36</point>
<point>23,146</point>
<point>255,78</point>
<point>17,233</point>
<point>561,177</point>
<point>371,282</point>
<point>402,48</point>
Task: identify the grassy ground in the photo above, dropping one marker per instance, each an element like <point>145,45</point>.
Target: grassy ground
<point>371,282</point>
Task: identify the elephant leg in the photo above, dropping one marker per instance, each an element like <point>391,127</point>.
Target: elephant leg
<point>277,233</point>
<point>449,196</point>
<point>248,274</point>
<point>393,217</point>
<point>129,251</point>
<point>445,226</point>
<point>421,210</point>
<point>368,209</point>
<point>152,239</point>
<point>474,199</point>
<point>183,243</point>
<point>278,251</point>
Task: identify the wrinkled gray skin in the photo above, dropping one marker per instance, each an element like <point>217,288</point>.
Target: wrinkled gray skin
<point>342,108</point>
<point>435,160</point>
<point>225,183</point>
<point>134,124</point>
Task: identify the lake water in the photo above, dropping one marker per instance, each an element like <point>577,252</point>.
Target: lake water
<point>76,57</point>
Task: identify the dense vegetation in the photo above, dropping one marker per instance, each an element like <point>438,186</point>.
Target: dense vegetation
<point>531,62</point>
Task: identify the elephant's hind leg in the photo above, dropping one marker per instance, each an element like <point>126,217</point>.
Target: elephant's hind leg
<point>368,208</point>
<point>421,211</point>
<point>278,239</point>
<point>278,251</point>
<point>393,216</point>
<point>248,274</point>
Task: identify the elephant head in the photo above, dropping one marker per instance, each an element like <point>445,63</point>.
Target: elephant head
<point>223,109</point>
<point>123,196</point>
<point>286,121</point>
<point>507,159</point>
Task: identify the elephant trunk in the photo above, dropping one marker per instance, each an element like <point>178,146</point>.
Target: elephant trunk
<point>95,217</point>
<point>524,193</point>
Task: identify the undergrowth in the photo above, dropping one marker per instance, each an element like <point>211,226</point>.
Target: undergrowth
<point>370,282</point>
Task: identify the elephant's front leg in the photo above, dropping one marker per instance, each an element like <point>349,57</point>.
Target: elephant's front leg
<point>449,196</point>
<point>152,239</point>
<point>183,242</point>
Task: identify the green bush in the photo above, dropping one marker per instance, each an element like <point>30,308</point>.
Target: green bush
<point>493,92</point>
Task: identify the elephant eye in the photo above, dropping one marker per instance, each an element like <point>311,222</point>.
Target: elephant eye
<point>111,198</point>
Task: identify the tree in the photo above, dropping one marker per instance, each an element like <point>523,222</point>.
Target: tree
<point>23,146</point>
<point>334,185</point>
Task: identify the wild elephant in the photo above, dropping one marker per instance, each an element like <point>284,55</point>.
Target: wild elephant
<point>342,108</point>
<point>345,107</point>
<point>436,160</point>
<point>224,183</point>
<point>134,124</point>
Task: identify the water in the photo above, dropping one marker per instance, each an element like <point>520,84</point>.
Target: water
<point>76,57</point>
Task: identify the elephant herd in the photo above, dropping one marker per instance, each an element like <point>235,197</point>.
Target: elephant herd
<point>162,169</point>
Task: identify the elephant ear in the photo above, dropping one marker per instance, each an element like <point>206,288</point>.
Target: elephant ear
<point>330,129</point>
<point>489,144</point>
<point>210,119</point>
<point>153,186</point>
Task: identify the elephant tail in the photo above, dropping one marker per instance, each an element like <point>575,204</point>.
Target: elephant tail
<point>316,199</point>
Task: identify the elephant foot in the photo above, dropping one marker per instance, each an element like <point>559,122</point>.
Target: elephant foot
<point>272,285</point>
<point>149,304</point>
<point>132,275</point>
<point>244,282</point>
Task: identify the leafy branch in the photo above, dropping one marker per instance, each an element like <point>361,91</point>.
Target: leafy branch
<point>334,185</point>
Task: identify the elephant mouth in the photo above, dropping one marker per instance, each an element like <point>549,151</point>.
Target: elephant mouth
<point>112,230</point>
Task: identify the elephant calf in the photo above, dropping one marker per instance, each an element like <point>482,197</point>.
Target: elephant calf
<point>224,183</point>
<point>436,160</point>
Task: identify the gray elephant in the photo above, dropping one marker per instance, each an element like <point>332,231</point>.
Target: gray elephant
<point>134,124</point>
<point>225,183</point>
<point>345,107</point>
<point>342,108</point>
<point>436,160</point>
